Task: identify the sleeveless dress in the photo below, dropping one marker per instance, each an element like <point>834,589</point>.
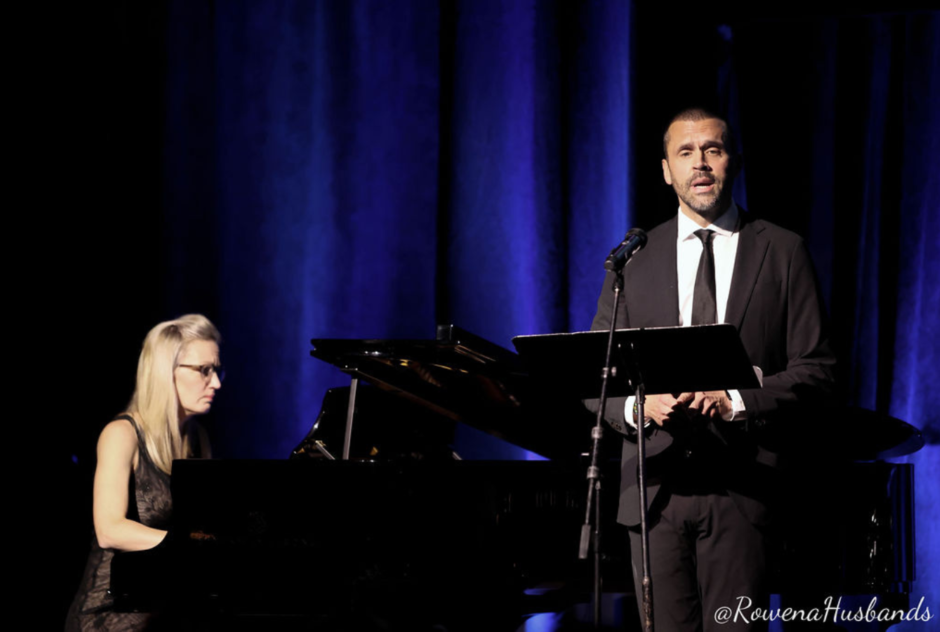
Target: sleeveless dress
<point>150,504</point>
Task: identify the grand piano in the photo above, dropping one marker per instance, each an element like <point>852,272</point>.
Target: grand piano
<point>375,522</point>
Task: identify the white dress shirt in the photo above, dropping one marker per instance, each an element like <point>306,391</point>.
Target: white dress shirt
<point>689,252</point>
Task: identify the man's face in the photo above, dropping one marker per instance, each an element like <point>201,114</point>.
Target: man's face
<point>699,167</point>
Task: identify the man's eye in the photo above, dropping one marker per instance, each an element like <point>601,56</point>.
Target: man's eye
<point>714,152</point>
<point>206,370</point>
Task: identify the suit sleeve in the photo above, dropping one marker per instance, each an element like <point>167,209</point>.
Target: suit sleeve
<point>799,371</point>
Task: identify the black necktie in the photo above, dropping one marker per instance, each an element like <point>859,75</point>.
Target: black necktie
<point>704,310</point>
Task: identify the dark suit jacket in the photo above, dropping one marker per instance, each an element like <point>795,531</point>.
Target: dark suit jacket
<point>777,308</point>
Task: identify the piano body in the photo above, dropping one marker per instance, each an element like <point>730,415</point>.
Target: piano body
<point>404,533</point>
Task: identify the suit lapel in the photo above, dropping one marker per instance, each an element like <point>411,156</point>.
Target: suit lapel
<point>658,303</point>
<point>668,286</point>
<point>752,247</point>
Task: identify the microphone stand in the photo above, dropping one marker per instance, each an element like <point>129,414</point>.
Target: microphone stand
<point>594,473</point>
<point>647,582</point>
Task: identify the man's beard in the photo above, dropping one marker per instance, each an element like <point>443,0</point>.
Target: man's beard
<point>710,206</point>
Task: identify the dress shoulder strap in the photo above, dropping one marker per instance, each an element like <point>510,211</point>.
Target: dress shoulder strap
<point>127,417</point>
<point>130,418</point>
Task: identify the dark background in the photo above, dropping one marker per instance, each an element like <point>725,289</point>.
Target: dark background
<point>369,169</point>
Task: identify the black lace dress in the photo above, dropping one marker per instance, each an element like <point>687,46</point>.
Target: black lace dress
<point>148,503</point>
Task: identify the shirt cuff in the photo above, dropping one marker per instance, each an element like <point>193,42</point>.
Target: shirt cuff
<point>738,411</point>
<point>628,413</point>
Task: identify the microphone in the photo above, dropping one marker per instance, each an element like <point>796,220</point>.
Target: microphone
<point>631,244</point>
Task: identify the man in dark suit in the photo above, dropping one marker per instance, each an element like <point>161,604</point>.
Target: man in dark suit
<point>712,456</point>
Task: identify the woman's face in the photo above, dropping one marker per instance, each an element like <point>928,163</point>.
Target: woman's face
<point>195,390</point>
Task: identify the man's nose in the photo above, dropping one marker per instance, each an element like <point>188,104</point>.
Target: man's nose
<point>701,163</point>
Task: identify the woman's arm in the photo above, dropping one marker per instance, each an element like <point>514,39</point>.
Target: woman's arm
<point>117,451</point>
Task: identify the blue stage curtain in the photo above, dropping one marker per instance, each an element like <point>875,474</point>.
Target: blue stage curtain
<point>369,169</point>
<point>312,131</point>
<point>841,139</point>
<point>534,175</point>
<point>914,353</point>
<point>372,169</point>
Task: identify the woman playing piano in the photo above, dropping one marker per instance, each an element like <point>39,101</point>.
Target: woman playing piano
<point>178,375</point>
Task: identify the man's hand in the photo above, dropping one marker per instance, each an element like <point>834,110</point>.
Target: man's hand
<point>669,409</point>
<point>666,409</point>
<point>710,404</point>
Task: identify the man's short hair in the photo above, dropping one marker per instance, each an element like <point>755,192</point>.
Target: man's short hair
<point>701,114</point>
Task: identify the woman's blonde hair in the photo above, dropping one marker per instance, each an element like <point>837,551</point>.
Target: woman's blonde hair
<point>155,403</point>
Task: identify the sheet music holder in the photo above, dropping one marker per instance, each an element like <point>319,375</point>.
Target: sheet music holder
<point>669,359</point>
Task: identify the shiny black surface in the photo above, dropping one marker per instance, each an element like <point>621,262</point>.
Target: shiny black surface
<point>303,536</point>
<point>464,378</point>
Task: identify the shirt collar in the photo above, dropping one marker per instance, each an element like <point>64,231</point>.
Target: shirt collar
<point>726,224</point>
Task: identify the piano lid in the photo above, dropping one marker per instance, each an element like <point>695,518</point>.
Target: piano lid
<point>468,379</point>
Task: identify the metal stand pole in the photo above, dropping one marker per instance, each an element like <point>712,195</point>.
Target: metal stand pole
<point>647,583</point>
<point>594,473</point>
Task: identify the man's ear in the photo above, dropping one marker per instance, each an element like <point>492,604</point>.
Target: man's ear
<point>667,175</point>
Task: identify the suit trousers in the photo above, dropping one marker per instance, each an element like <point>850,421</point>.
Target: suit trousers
<point>705,558</point>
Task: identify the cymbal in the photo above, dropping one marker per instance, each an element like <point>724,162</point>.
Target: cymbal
<point>859,434</point>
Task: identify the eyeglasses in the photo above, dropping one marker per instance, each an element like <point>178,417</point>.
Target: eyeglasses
<point>207,370</point>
